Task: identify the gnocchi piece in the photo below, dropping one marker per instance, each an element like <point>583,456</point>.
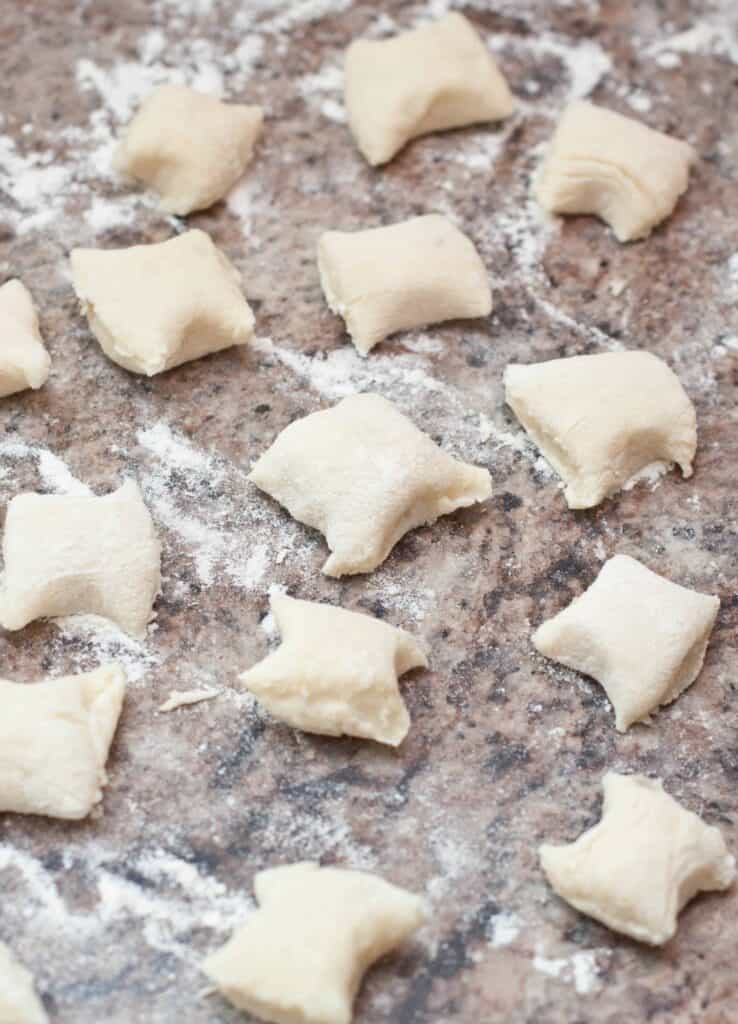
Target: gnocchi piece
<point>24,362</point>
<point>188,147</point>
<point>642,637</point>
<point>612,166</point>
<point>69,554</point>
<point>384,280</point>
<point>601,420</point>
<point>152,307</point>
<point>335,672</point>
<point>434,77</point>
<point>301,956</point>
<point>364,475</point>
<point>54,741</point>
<point>642,863</point>
<point>19,1003</point>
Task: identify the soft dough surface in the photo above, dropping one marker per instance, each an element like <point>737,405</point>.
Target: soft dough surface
<point>19,1003</point>
<point>24,362</point>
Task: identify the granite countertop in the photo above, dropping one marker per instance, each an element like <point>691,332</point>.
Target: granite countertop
<point>114,914</point>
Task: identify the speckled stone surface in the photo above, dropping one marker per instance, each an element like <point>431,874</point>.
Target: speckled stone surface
<point>114,914</point>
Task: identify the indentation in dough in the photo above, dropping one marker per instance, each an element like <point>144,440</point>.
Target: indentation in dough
<point>335,672</point>
<point>19,1003</point>
<point>54,741</point>
<point>601,419</point>
<point>435,77</point>
<point>70,554</point>
<point>152,307</point>
<point>422,271</point>
<point>24,362</point>
<point>364,475</point>
<point>642,637</point>
<point>646,859</point>
<point>602,163</point>
<point>188,147</point>
<point>302,955</point>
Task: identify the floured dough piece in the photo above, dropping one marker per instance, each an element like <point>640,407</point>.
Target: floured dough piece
<point>419,272</point>
<point>601,420</point>
<point>19,1003</point>
<point>435,77</point>
<point>300,958</point>
<point>642,637</point>
<point>152,307</point>
<point>643,862</point>
<point>614,167</point>
<point>188,147</point>
<point>24,362</point>
<point>364,475</point>
<point>69,554</point>
<point>54,742</point>
<point>336,672</point>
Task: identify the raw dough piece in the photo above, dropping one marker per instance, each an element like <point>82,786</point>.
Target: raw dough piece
<point>642,637</point>
<point>614,167</point>
<point>300,958</point>
<point>183,698</point>
<point>152,307</point>
<point>422,271</point>
<point>364,475</point>
<point>645,859</point>
<point>600,420</point>
<point>188,147</point>
<point>336,672</point>
<point>435,77</point>
<point>54,742</point>
<point>24,362</point>
<point>19,1003</point>
<point>69,554</point>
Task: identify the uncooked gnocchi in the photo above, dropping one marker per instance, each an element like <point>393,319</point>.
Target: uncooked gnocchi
<point>301,956</point>
<point>364,475</point>
<point>612,166</point>
<point>642,637</point>
<point>422,271</point>
<point>24,362</point>
<point>190,148</point>
<point>435,77</point>
<point>646,859</point>
<point>54,742</point>
<point>69,554</point>
<point>19,1003</point>
<point>600,420</point>
<point>152,307</point>
<point>335,672</point>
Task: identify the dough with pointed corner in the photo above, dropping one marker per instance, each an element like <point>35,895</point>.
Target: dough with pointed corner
<point>431,78</point>
<point>24,361</point>
<point>645,859</point>
<point>383,280</point>
<point>301,956</point>
<point>188,147</point>
<point>363,474</point>
<point>54,742</point>
<point>335,672</point>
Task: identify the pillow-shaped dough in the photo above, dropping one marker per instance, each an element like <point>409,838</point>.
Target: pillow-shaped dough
<point>364,475</point>
<point>614,167</point>
<point>600,420</point>
<point>643,638</point>
<point>435,77</point>
<point>24,362</point>
<point>54,742</point>
<point>301,956</point>
<point>419,272</point>
<point>69,554</point>
<point>643,862</point>
<point>19,1003</point>
<point>188,147</point>
<point>152,307</point>
<point>336,672</point>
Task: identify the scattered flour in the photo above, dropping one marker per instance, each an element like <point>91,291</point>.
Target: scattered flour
<point>503,929</point>
<point>580,969</point>
<point>716,39</point>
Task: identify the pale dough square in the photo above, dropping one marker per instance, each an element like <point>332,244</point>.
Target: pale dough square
<point>19,1003</point>
<point>642,637</point>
